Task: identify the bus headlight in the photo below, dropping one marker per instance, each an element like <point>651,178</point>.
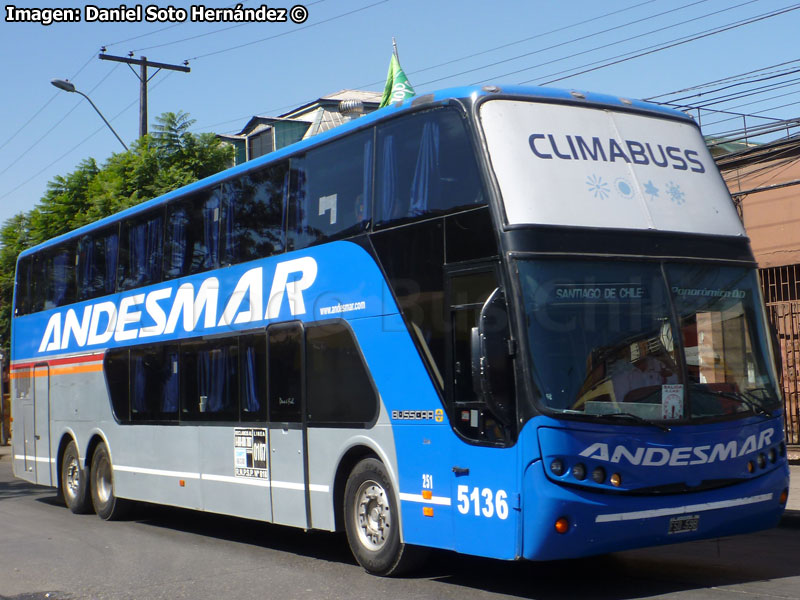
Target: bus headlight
<point>599,475</point>
<point>579,471</point>
<point>557,467</point>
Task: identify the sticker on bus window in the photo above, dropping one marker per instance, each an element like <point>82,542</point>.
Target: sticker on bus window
<point>250,453</point>
<point>672,401</point>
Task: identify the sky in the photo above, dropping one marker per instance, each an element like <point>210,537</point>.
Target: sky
<point>239,70</point>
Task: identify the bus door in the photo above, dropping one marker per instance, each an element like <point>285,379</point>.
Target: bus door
<point>484,462</point>
<point>287,426</point>
<point>41,423</point>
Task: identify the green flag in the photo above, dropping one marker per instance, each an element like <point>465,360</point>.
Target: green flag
<point>397,86</point>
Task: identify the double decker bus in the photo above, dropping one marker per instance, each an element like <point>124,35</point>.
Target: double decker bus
<point>511,322</point>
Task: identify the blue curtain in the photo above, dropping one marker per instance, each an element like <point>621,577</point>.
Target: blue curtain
<point>211,209</point>
<point>61,272</point>
<point>169,401</point>
<point>212,376</point>
<point>144,252</point>
<point>367,187</point>
<point>426,185</point>
<point>87,270</point>
<point>139,378</point>
<point>388,184</point>
<point>110,245</point>
<point>177,242</point>
<point>229,218</point>
<point>252,402</point>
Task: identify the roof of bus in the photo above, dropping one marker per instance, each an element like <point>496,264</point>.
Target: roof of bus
<point>580,98</point>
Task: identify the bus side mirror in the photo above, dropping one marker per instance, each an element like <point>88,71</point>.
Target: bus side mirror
<point>492,367</point>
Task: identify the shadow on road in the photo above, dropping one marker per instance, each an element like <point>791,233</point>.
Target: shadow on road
<point>651,572</point>
<point>17,488</point>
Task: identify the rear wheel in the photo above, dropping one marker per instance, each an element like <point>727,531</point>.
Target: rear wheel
<point>74,481</point>
<point>372,521</point>
<point>106,504</point>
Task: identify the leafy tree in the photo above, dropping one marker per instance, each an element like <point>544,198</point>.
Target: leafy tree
<point>155,164</point>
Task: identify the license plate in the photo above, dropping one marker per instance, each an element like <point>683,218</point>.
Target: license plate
<point>683,524</point>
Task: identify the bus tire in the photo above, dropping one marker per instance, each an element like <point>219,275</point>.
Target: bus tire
<point>74,481</point>
<point>372,521</point>
<point>107,506</point>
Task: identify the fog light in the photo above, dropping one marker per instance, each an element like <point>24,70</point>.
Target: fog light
<point>599,475</point>
<point>773,455</point>
<point>579,471</point>
<point>762,460</point>
<point>784,496</point>
<point>562,525</point>
<point>750,466</point>
<point>557,467</point>
<point>616,479</point>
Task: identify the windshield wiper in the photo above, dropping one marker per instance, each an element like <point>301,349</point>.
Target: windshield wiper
<point>637,418</point>
<point>755,406</point>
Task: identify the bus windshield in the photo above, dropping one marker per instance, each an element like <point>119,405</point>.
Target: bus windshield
<point>661,342</point>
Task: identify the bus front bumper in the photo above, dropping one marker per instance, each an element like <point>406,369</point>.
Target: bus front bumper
<point>598,523</point>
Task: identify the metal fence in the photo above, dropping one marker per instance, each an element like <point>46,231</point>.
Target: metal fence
<point>781,286</point>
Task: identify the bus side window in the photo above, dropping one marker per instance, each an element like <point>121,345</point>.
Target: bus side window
<point>96,264</point>
<point>253,210</point>
<point>54,282</point>
<point>331,191</point>
<point>285,371</point>
<point>140,250</point>
<point>210,380</point>
<point>192,236</point>
<point>338,387</point>
<point>425,165</point>
<point>154,383</point>
<point>22,301</point>
<point>253,377</point>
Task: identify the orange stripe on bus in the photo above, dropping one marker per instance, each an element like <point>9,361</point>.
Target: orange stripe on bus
<point>92,368</point>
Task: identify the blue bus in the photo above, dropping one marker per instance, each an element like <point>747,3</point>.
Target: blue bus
<point>511,322</point>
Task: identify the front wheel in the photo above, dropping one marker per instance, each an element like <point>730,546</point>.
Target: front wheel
<point>74,481</point>
<point>106,504</point>
<point>372,521</point>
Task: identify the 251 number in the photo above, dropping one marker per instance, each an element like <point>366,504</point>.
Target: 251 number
<point>484,502</point>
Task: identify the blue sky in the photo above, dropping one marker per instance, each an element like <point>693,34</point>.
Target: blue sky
<point>240,70</point>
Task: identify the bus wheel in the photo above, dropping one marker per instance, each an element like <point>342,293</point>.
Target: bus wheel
<point>106,504</point>
<point>74,483</point>
<point>372,523</point>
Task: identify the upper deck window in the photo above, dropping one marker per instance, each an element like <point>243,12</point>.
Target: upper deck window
<point>424,166</point>
<point>331,191</point>
<point>140,250</point>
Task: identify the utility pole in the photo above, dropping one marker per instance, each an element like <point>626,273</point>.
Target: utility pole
<point>143,79</point>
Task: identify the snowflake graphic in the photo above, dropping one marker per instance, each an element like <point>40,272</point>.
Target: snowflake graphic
<point>597,187</point>
<point>675,193</point>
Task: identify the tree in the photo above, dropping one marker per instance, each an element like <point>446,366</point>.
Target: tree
<point>155,164</point>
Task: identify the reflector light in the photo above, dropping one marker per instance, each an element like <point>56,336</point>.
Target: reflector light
<point>427,511</point>
<point>427,494</point>
<point>616,479</point>
<point>599,475</point>
<point>182,483</point>
<point>562,525</point>
<point>784,496</point>
<point>750,466</point>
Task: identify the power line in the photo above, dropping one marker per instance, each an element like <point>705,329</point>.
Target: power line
<point>616,43</point>
<point>291,31</point>
<point>680,42</point>
<point>572,41</point>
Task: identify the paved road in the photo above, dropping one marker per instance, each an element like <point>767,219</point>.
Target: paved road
<point>170,553</point>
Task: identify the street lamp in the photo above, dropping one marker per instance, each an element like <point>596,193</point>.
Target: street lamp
<point>68,86</point>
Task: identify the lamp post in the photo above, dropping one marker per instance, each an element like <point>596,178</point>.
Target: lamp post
<point>68,86</point>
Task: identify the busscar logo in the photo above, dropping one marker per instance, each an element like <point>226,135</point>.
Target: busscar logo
<point>418,415</point>
<point>654,456</point>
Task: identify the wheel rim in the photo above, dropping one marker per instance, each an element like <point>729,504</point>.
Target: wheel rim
<point>102,484</point>
<point>72,477</point>
<point>373,516</point>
